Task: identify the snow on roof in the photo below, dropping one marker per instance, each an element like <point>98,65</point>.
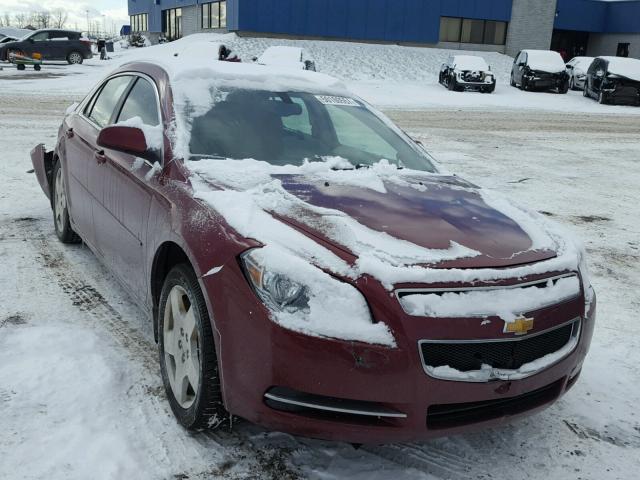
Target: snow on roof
<point>545,61</point>
<point>625,67</point>
<point>280,55</point>
<point>470,62</point>
<point>582,63</point>
<point>14,32</point>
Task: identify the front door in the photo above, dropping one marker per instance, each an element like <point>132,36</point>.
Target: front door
<point>122,209</point>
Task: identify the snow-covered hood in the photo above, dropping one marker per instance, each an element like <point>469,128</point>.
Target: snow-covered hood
<point>401,226</point>
<point>432,212</point>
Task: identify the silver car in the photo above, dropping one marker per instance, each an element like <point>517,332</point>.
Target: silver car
<point>577,68</point>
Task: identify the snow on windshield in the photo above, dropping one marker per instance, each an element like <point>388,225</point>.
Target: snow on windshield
<point>470,62</point>
<point>625,67</point>
<point>545,61</point>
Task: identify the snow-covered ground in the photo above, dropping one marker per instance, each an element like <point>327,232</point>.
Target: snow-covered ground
<point>386,75</point>
<point>80,391</point>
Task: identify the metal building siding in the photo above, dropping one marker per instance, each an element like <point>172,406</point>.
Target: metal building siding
<point>623,17</point>
<point>598,17</point>
<point>479,9</point>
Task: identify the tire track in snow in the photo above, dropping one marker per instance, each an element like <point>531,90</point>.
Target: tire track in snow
<point>269,462</point>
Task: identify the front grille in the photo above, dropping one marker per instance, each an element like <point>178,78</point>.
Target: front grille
<point>501,354</point>
<point>459,414</point>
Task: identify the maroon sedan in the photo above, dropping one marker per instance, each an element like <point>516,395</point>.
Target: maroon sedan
<point>309,267</point>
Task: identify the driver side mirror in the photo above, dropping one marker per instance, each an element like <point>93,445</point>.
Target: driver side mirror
<point>521,64</point>
<point>129,140</point>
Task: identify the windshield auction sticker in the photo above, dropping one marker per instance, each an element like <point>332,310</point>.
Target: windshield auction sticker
<point>331,100</point>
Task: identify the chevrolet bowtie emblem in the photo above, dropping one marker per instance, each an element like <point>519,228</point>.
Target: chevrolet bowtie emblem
<point>519,326</point>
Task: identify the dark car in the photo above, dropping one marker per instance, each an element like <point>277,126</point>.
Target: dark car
<point>540,70</point>
<point>467,72</point>
<point>305,264</point>
<point>52,44</point>
<point>614,80</point>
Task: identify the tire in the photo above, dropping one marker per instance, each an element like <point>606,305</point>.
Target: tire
<point>199,406</point>
<point>524,84</point>
<point>513,82</point>
<point>490,89</point>
<point>602,99</point>
<point>37,68</point>
<point>451,84</point>
<point>75,58</point>
<point>61,220</point>
<point>21,67</point>
<point>585,91</point>
<point>564,89</point>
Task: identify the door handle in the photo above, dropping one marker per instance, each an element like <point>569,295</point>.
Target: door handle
<point>100,157</point>
<point>69,133</point>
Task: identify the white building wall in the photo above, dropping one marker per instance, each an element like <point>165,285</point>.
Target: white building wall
<point>607,44</point>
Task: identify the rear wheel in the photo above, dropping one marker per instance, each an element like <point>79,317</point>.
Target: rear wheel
<point>60,210</point>
<point>21,66</point>
<point>513,82</point>
<point>75,58</point>
<point>564,88</point>
<point>187,352</point>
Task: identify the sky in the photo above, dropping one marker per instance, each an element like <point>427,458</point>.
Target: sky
<point>114,10</point>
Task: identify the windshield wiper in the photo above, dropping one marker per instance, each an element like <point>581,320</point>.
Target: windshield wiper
<point>196,158</point>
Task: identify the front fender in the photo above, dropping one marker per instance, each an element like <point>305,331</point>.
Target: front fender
<point>42,161</point>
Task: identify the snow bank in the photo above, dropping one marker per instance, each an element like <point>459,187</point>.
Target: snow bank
<point>470,62</point>
<point>507,303</point>
<point>284,56</point>
<point>624,67</point>
<point>545,61</point>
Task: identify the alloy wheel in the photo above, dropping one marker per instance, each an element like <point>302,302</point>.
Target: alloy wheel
<point>181,347</point>
<point>75,58</point>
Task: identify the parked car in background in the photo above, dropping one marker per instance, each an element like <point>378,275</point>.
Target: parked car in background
<point>51,44</point>
<point>467,72</point>
<point>306,264</point>
<point>287,57</point>
<point>7,39</point>
<point>540,70</point>
<point>614,80</point>
<point>12,32</point>
<point>577,69</point>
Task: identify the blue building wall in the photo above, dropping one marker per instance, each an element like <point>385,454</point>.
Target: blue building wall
<point>598,17</point>
<point>390,20</point>
<point>154,9</point>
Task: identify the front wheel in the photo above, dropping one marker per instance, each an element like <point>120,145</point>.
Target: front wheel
<point>188,359</point>
<point>60,209</point>
<point>602,99</point>
<point>451,83</point>
<point>564,88</point>
<point>75,58</point>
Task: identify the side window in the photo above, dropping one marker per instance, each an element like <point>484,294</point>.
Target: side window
<point>517,59</point>
<point>141,103</point>
<point>58,36</point>
<point>523,58</point>
<point>40,37</point>
<point>108,99</point>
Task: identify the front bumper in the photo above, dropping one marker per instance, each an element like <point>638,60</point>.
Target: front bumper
<point>260,360</point>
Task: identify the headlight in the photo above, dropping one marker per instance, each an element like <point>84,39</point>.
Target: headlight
<point>275,289</point>
<point>305,299</point>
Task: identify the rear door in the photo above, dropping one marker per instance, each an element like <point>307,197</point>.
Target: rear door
<point>123,207</point>
<point>83,174</point>
<point>59,45</point>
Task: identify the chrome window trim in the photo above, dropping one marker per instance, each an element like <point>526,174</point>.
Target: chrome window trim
<point>94,91</point>
<point>369,413</point>
<point>503,374</point>
<point>402,292</point>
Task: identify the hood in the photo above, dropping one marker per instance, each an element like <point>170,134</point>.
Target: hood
<point>429,211</point>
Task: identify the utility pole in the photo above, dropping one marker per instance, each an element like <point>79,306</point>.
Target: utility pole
<point>88,24</point>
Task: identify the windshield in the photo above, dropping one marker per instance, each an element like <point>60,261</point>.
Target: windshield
<point>289,128</point>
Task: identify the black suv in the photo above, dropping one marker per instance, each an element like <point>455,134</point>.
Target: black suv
<point>52,44</point>
<point>540,70</point>
<point>614,80</point>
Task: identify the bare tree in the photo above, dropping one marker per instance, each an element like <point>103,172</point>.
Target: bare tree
<point>21,20</point>
<point>41,19</point>
<point>7,19</point>
<point>60,17</point>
